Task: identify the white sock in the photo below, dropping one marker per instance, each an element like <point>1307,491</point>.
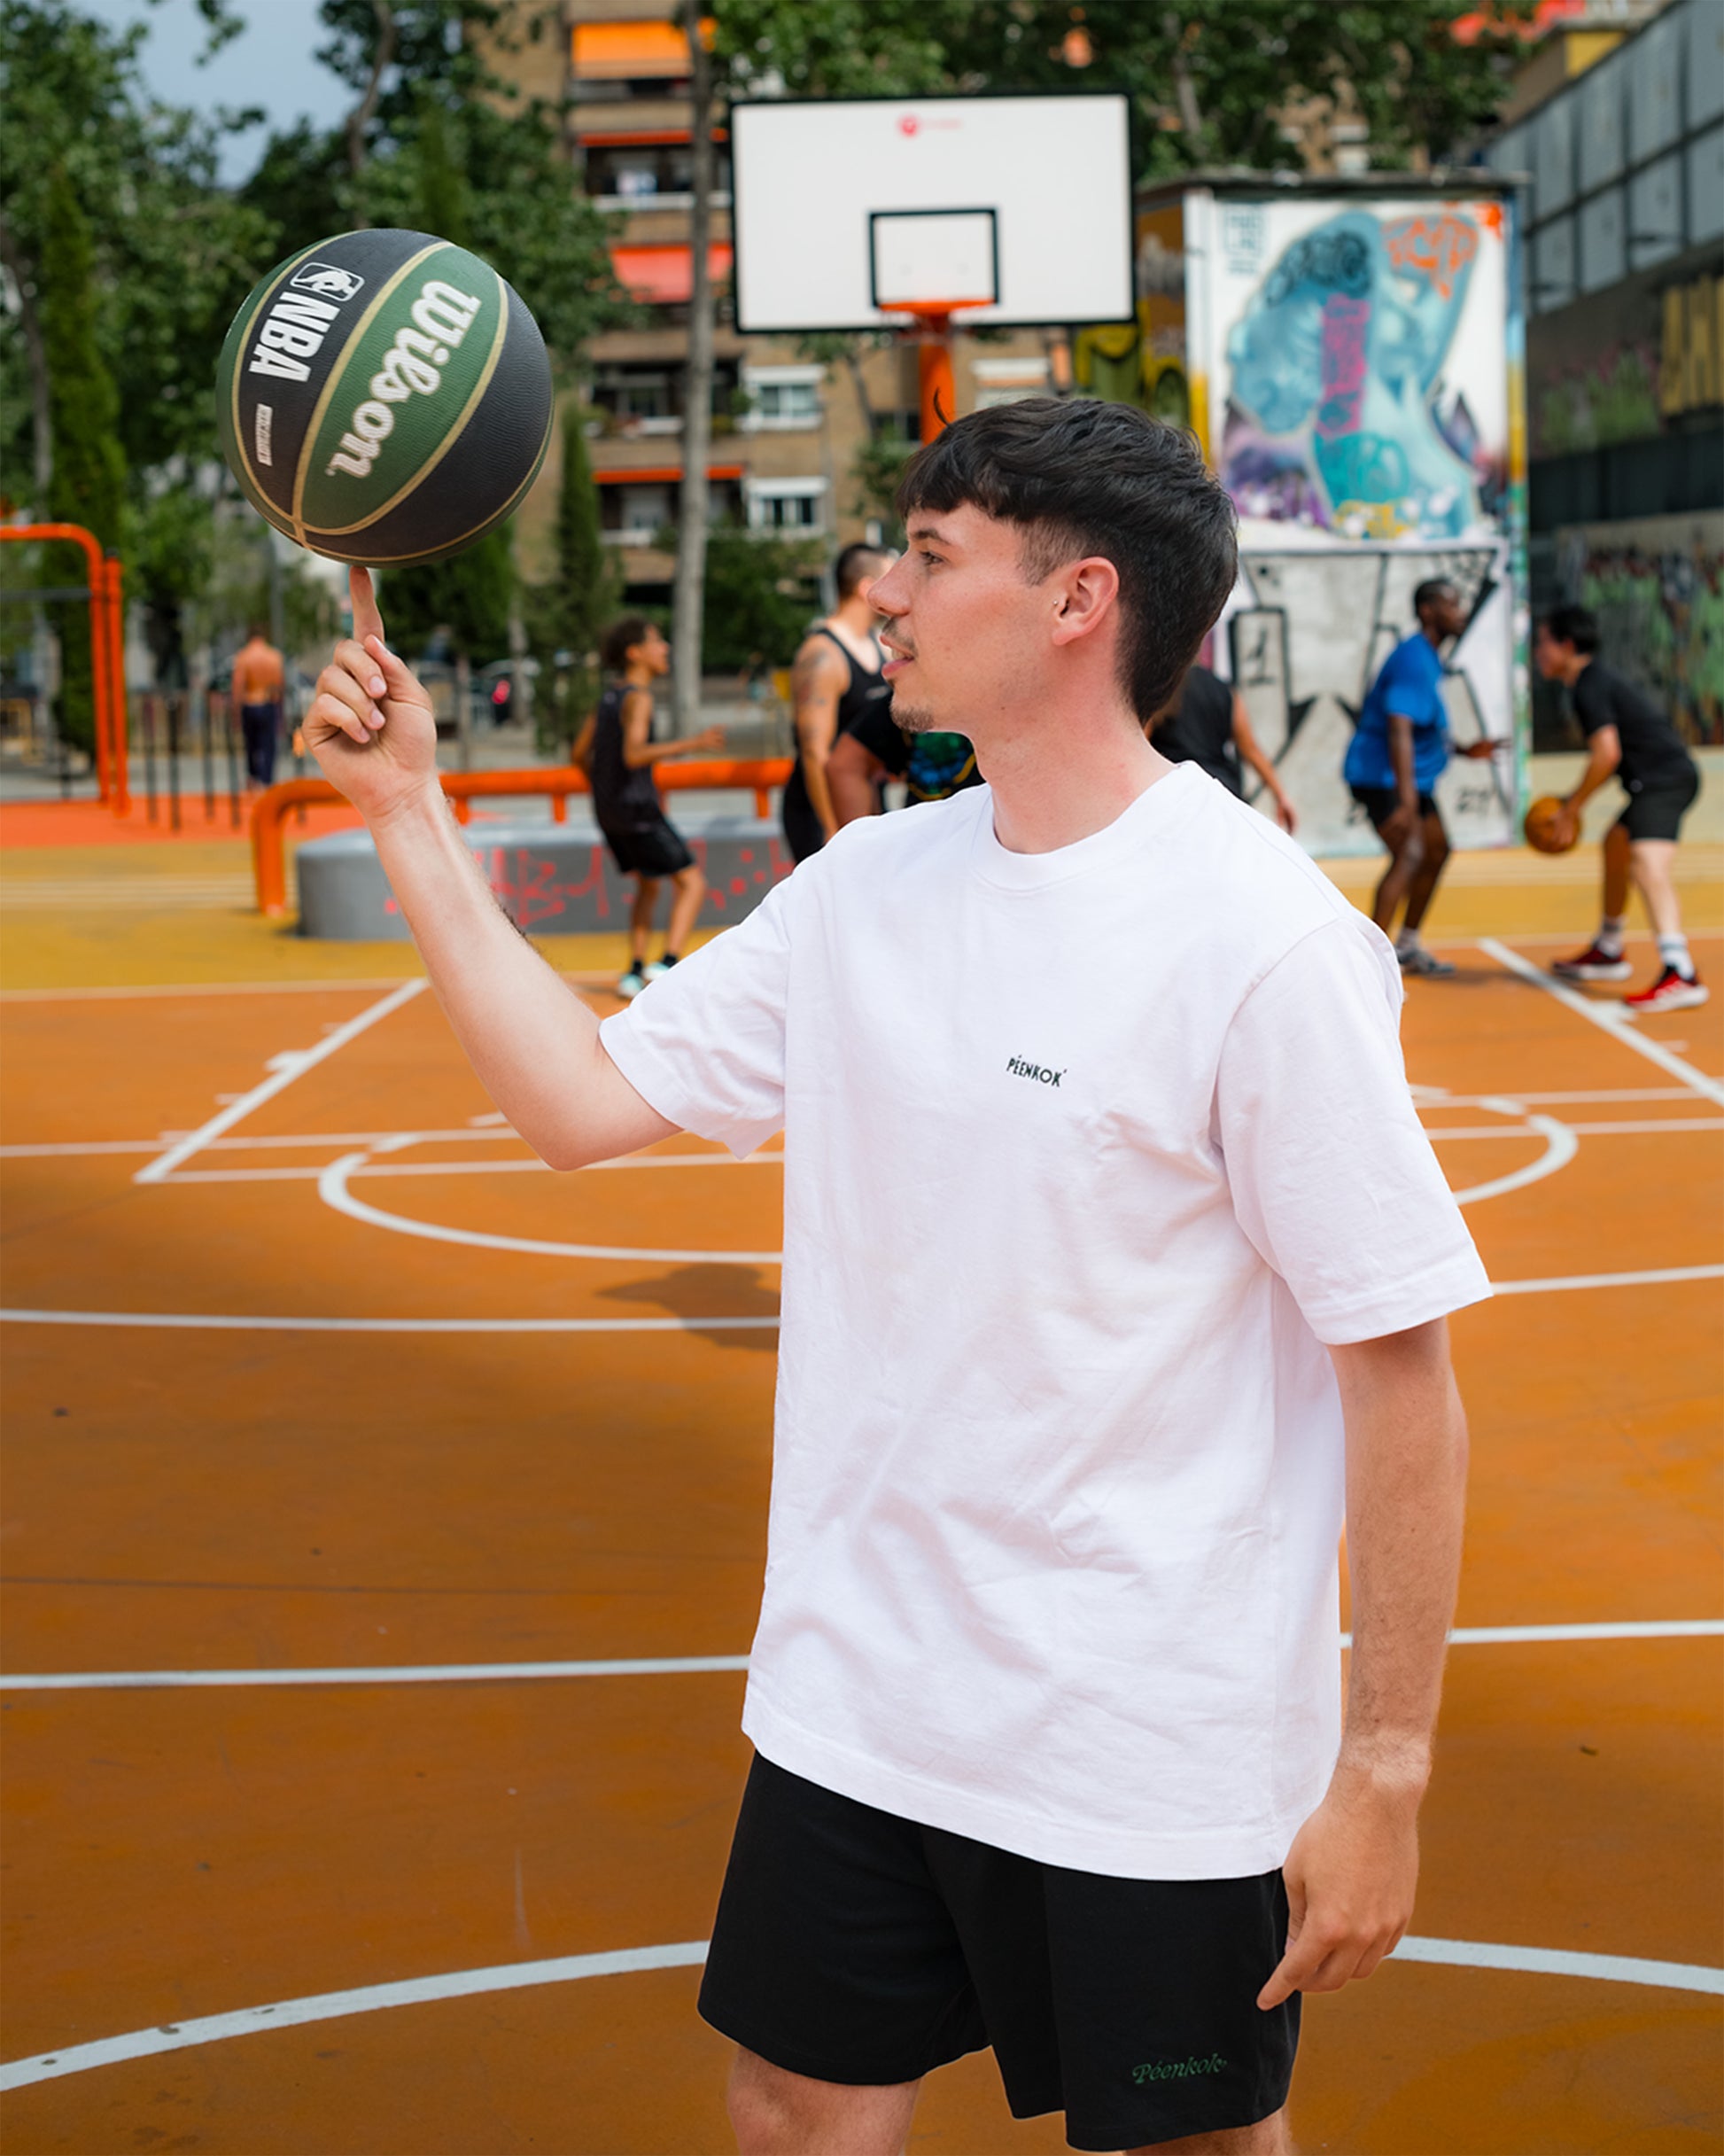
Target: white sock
<point>1673,950</point>
<point>1408,941</point>
<point>1610,935</point>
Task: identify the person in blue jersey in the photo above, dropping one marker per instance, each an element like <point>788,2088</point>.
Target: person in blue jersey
<point>1399,751</point>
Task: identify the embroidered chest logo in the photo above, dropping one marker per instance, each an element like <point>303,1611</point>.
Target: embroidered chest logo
<point>1038,1072</point>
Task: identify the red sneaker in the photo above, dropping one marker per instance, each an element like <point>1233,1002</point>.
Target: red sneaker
<point>1594,965</point>
<point>1672,990</point>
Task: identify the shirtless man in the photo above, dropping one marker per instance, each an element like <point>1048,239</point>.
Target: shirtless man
<point>258,681</point>
<point>835,681</point>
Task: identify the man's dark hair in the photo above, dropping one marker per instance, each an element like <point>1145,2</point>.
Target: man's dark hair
<point>620,639</point>
<point>851,566</point>
<point>1573,625</point>
<point>257,629</point>
<point>1429,592</point>
<point>1081,477</point>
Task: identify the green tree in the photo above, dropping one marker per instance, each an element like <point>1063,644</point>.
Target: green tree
<point>566,615</point>
<point>760,595</point>
<point>89,482</point>
<point>1209,79</point>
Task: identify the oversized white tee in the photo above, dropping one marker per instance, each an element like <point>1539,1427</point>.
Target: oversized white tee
<point>1087,1154</point>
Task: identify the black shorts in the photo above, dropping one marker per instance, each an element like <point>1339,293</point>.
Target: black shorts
<point>648,849</point>
<point>853,1946</point>
<point>1657,812</point>
<point>1379,803</point>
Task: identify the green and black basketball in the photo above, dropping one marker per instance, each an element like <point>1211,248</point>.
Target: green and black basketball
<point>384,397</point>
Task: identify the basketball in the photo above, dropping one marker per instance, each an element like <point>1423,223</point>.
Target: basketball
<point>384,397</point>
<point>1543,825</point>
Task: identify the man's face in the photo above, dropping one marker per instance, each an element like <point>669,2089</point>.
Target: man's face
<point>967,635</point>
<point>1551,658</point>
<point>1444,613</point>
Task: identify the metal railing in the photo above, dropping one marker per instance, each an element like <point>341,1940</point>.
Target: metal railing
<point>271,807</point>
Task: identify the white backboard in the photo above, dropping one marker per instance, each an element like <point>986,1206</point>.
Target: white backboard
<point>810,175</point>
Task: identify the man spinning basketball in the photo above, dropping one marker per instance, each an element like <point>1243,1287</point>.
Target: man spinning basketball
<point>1115,1255</point>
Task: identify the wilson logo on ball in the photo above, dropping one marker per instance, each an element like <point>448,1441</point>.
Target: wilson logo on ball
<point>441,317</point>
<point>384,397</point>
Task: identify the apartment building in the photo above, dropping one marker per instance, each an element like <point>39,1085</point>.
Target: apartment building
<point>786,428</point>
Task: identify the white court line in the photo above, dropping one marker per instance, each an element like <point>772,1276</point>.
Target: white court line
<point>1646,1127</point>
<point>1608,1018</point>
<point>249,988</point>
<point>332,1188</point>
<point>197,1321</point>
<point>285,1070</point>
<point>234,1322</point>
<point>522,1975</point>
<point>503,1167</point>
<point>698,1665</point>
<point>1560,1147</point>
<point>1668,1276</point>
<point>336,2006</point>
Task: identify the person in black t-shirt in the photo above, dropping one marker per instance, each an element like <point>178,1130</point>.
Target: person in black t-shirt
<point>1207,725</point>
<point>1631,739</point>
<point>617,752</point>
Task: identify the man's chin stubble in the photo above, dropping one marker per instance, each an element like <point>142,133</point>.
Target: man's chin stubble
<point>913,718</point>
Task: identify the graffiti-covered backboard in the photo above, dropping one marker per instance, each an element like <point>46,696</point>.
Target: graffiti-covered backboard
<point>1351,361</point>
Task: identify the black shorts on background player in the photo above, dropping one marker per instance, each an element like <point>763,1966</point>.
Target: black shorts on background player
<point>1379,803</point>
<point>857,1947</point>
<point>1656,773</point>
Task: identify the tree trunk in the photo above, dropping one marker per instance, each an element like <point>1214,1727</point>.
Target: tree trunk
<point>42,429</point>
<point>688,593</point>
<point>359,118</point>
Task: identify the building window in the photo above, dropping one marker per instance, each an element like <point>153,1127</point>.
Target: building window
<point>781,399</point>
<point>1007,381</point>
<point>645,175</point>
<point>786,505</point>
<point>634,515</point>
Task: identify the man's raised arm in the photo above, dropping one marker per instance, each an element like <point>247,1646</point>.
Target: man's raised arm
<point>534,1044</point>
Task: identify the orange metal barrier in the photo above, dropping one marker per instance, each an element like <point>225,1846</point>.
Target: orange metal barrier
<point>270,810</point>
<point>107,653</point>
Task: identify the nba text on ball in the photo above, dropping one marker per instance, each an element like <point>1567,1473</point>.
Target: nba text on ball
<point>442,318</point>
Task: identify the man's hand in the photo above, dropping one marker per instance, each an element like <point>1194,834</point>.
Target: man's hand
<point>1283,813</point>
<point>370,725</point>
<point>1351,1875</point>
<point>1567,825</point>
<point>1477,750</point>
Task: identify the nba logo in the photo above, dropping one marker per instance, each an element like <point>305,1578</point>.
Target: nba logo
<point>328,282</point>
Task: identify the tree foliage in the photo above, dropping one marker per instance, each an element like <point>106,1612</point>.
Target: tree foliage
<point>1209,79</point>
<point>761,593</point>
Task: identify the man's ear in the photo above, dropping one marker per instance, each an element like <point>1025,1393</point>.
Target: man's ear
<point>1086,595</point>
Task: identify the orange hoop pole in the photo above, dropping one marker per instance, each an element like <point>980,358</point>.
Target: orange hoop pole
<point>120,730</point>
<point>939,391</point>
<point>101,641</point>
<point>270,809</point>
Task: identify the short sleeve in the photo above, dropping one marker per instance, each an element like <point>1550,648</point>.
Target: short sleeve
<point>703,1044</point>
<point>1399,688</point>
<point>883,738</point>
<point>1331,1173</point>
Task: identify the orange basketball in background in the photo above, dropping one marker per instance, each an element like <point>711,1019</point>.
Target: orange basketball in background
<point>1543,825</point>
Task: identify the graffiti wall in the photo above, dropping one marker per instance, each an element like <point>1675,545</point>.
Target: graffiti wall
<point>1656,586</point>
<point>1352,363</point>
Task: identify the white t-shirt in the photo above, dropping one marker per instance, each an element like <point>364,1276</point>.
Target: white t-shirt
<point>1086,1153</point>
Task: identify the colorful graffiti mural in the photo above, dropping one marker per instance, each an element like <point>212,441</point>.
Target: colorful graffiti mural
<point>1353,364</point>
<point>1342,409</point>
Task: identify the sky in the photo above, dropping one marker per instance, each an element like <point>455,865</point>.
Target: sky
<point>269,65</point>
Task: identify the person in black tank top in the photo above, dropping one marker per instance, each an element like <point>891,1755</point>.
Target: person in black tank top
<point>1207,725</point>
<point>617,752</point>
<point>1629,738</point>
<point>832,690</point>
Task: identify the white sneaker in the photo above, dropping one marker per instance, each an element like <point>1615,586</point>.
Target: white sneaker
<point>633,982</point>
